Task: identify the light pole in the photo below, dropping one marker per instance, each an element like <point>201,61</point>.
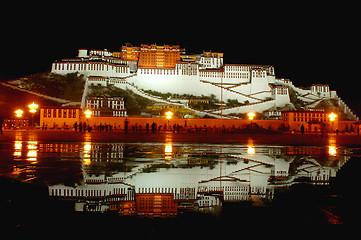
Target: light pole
<point>88,114</point>
<point>168,115</point>
<point>33,107</point>
<point>19,113</point>
<point>251,116</point>
<point>332,118</point>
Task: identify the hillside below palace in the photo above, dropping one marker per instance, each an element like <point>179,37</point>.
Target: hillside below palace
<point>169,69</point>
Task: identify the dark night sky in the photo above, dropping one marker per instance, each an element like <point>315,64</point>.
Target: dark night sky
<point>307,43</point>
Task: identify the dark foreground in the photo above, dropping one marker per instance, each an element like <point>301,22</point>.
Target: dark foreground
<point>200,137</point>
<point>27,207</point>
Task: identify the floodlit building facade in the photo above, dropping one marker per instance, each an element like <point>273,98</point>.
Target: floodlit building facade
<point>167,68</point>
<point>59,117</point>
<point>312,121</point>
<point>106,106</point>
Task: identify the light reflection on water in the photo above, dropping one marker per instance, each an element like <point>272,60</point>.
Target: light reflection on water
<point>166,179</point>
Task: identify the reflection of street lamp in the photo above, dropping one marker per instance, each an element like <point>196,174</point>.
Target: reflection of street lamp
<point>86,152</point>
<point>19,113</point>
<point>168,151</point>
<point>251,150</point>
<point>250,147</point>
<point>332,149</point>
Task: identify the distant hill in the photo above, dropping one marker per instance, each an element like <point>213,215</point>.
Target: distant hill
<point>11,100</point>
<point>69,86</point>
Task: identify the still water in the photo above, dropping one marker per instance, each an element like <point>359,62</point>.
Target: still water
<point>177,180</point>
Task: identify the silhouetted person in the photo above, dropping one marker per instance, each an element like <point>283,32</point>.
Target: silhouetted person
<point>76,126</point>
<point>1,125</point>
<point>126,125</point>
<point>154,127</point>
<point>302,129</point>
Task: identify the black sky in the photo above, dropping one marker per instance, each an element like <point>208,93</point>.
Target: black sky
<point>308,43</point>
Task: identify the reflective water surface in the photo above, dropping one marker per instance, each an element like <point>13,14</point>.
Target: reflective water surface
<point>172,180</point>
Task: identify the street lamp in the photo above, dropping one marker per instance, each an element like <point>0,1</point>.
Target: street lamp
<point>251,115</point>
<point>168,115</point>
<point>332,118</point>
<point>88,113</point>
<point>19,113</point>
<point>33,107</point>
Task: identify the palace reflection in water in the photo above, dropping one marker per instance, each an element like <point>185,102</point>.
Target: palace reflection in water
<point>165,179</point>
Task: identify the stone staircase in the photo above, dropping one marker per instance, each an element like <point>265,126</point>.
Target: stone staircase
<point>233,91</point>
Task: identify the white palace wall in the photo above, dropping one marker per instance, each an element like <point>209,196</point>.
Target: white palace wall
<point>103,69</point>
<point>179,84</point>
<point>242,82</point>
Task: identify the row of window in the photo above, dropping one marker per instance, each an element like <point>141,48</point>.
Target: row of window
<point>158,71</point>
<point>310,119</point>
<point>322,115</point>
<point>89,66</point>
<point>59,113</point>
<point>236,68</point>
<point>237,75</point>
<point>97,105</point>
<point>210,74</point>
<point>280,91</point>
<point>77,192</point>
<point>115,113</point>
<point>259,74</point>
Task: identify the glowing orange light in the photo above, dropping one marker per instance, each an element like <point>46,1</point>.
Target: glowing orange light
<point>168,115</point>
<point>88,113</point>
<point>251,150</point>
<point>332,117</point>
<point>168,151</point>
<point>33,107</point>
<point>19,113</point>
<point>332,151</point>
<point>251,115</point>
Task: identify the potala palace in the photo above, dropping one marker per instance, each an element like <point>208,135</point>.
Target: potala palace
<point>169,69</point>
